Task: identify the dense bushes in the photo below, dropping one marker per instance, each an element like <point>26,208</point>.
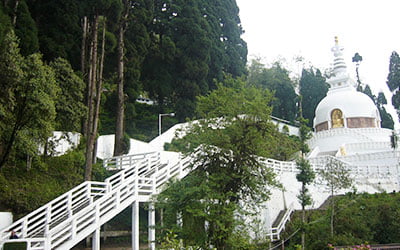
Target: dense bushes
<point>360,218</point>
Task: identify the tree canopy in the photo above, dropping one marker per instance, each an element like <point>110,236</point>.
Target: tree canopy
<point>276,79</point>
<point>313,88</point>
<point>234,131</point>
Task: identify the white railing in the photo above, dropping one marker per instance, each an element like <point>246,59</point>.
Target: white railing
<point>40,221</point>
<point>65,221</point>
<point>68,219</point>
<point>31,243</point>
<point>275,232</point>
<point>356,147</point>
<point>124,161</point>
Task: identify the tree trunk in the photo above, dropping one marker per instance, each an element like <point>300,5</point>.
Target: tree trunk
<point>119,126</point>
<point>303,222</point>
<point>91,134</point>
<point>4,156</point>
<point>14,18</point>
<point>83,45</point>
<point>85,28</point>
<point>17,126</point>
<point>99,86</point>
<point>332,212</point>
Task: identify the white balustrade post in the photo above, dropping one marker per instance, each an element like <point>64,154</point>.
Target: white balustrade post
<point>69,204</point>
<point>135,225</point>
<point>152,227</point>
<point>48,219</point>
<point>96,239</point>
<point>24,228</point>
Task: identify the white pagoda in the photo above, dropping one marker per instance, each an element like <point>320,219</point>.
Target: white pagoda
<point>347,124</point>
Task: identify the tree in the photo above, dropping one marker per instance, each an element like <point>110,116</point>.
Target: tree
<point>27,115</point>
<point>276,79</point>
<point>119,126</point>
<point>387,120</point>
<point>313,88</point>
<point>230,178</point>
<point>193,43</point>
<point>24,26</point>
<point>393,80</point>
<point>336,177</point>
<point>357,59</point>
<point>306,175</point>
<point>70,103</point>
<point>5,23</point>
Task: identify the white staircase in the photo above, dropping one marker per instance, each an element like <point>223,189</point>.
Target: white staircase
<point>275,232</point>
<point>79,213</point>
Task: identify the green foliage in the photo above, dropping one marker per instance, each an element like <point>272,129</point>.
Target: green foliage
<point>357,59</point>
<point>393,80</point>
<point>50,178</point>
<point>276,79</point>
<point>387,120</point>
<point>313,87</point>
<point>192,44</point>
<point>380,101</point>
<point>28,109</point>
<point>70,105</point>
<point>229,178</point>
<point>26,30</point>
<point>5,24</point>
<point>306,174</point>
<point>359,219</point>
<point>335,176</point>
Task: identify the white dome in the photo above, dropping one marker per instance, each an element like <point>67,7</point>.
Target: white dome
<point>352,103</point>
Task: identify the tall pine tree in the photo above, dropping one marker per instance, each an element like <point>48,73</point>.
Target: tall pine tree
<point>393,80</point>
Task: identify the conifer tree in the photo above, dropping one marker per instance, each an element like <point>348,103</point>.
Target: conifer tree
<point>306,174</point>
<point>393,80</point>
<point>313,87</point>
<point>27,109</point>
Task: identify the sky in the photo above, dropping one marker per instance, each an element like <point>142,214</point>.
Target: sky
<point>276,29</point>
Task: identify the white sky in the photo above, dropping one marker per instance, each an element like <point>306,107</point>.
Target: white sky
<point>288,28</point>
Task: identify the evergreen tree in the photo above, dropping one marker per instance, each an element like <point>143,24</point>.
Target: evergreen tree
<point>357,59</point>
<point>367,90</point>
<point>193,43</point>
<point>393,80</point>
<point>26,30</point>
<point>5,23</point>
<point>276,79</point>
<point>313,88</point>
<point>306,174</point>
<point>28,113</point>
<point>70,103</point>
<point>386,118</point>
<point>59,29</point>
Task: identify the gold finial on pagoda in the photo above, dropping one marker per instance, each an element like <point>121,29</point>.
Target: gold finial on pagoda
<point>336,40</point>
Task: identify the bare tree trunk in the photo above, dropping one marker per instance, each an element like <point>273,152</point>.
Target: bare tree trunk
<point>85,28</point>
<point>89,93</point>
<point>119,126</point>
<point>91,134</point>
<point>28,162</point>
<point>83,46</point>
<point>14,18</point>
<point>99,85</point>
